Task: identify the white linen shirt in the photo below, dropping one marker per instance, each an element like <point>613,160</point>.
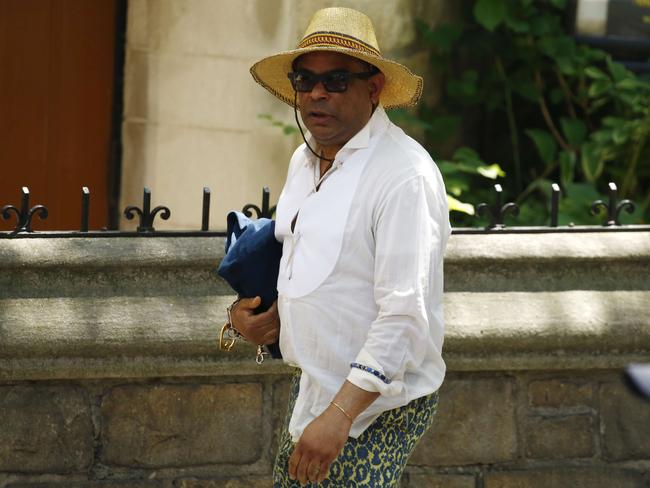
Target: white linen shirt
<point>361,274</point>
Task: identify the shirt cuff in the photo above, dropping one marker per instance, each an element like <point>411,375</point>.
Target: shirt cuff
<point>368,381</point>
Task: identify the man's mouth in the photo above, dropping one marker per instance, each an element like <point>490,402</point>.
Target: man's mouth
<point>319,116</point>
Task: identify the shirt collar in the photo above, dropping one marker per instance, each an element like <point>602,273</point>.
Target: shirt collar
<point>378,123</point>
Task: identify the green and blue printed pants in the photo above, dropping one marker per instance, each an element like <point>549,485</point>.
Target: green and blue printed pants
<point>376,459</point>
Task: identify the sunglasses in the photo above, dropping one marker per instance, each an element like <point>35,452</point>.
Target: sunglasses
<point>333,81</point>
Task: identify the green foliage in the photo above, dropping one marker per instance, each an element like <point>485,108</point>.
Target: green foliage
<point>465,166</point>
<point>519,90</point>
<point>287,129</point>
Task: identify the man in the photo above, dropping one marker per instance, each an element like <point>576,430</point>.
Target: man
<point>364,222</point>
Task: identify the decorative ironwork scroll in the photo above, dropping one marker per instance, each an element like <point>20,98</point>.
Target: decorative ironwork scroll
<point>146,214</point>
<point>265,211</point>
<point>497,212</point>
<point>613,207</point>
<point>24,215</point>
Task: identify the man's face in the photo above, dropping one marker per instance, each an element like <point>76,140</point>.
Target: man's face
<point>334,118</point>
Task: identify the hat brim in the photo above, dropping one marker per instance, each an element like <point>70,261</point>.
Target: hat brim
<point>402,87</point>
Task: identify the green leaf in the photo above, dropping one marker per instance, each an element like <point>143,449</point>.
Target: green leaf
<point>465,88</point>
<point>424,29</point>
<point>445,36</point>
<point>443,127</point>
<point>447,167</point>
<point>620,135</point>
<point>456,184</point>
<point>556,96</point>
<point>402,116</point>
<point>466,154</point>
<point>559,4</point>
<point>613,122</point>
<point>595,73</point>
<point>598,88</point>
<point>545,24</point>
<point>566,65</point>
<point>592,161</point>
<point>629,84</point>
<point>458,206</point>
<point>560,45</point>
<point>490,13</point>
<point>567,167</point>
<point>602,136</point>
<point>575,207</point>
<point>454,190</point>
<point>286,128</point>
<point>516,25</point>
<point>492,171</point>
<point>574,130</point>
<point>545,144</point>
<point>526,89</point>
<point>618,71</point>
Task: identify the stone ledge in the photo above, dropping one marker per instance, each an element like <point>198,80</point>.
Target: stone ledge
<point>590,246</point>
<point>577,321</point>
<point>580,321</point>
<point>68,307</point>
<point>175,251</point>
<point>111,252</point>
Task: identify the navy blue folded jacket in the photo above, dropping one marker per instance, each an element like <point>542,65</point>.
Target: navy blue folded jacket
<point>252,261</point>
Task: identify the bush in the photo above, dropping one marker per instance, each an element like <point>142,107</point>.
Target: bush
<point>520,91</point>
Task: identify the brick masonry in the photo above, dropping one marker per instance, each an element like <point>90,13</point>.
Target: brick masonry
<point>531,429</point>
<point>45,429</point>
<point>181,425</point>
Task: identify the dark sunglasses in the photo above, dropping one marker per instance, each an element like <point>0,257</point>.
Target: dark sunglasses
<point>333,81</point>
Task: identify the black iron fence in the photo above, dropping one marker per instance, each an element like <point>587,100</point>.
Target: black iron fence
<point>496,212</point>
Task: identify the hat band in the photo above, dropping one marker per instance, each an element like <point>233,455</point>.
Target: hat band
<point>336,39</point>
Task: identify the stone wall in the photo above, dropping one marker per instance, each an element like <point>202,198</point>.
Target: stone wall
<point>110,374</point>
<point>191,107</point>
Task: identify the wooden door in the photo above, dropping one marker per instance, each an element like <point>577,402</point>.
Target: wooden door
<point>56,96</point>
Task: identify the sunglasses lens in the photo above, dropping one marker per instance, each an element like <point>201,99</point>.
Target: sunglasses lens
<point>336,82</point>
<point>302,82</point>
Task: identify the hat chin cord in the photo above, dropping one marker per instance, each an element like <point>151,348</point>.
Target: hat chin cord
<point>295,113</point>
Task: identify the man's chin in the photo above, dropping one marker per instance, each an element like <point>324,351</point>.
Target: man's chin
<point>323,136</point>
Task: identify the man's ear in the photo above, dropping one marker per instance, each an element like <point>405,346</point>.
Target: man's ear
<point>376,85</point>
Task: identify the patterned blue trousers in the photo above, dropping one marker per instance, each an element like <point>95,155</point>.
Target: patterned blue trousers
<point>376,459</point>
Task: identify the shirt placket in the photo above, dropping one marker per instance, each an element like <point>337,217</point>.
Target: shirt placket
<point>297,233</point>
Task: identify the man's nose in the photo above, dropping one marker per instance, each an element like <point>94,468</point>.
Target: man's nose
<point>319,91</point>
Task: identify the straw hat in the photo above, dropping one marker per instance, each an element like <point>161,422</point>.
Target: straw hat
<point>345,31</point>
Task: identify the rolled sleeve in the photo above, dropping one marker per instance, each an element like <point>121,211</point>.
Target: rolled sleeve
<point>409,231</point>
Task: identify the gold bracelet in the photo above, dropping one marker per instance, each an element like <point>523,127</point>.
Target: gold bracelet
<point>343,410</point>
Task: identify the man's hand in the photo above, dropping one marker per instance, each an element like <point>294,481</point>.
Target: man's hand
<point>318,446</point>
<point>263,328</point>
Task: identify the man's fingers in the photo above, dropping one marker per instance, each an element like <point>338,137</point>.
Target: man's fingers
<point>293,464</point>
<point>270,315</point>
<point>263,319</point>
<point>262,328</point>
<point>301,471</point>
<point>324,471</point>
<point>248,304</point>
<point>271,337</point>
<point>313,472</point>
<point>260,320</point>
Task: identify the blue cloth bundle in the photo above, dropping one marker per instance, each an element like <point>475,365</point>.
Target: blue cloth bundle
<point>252,261</point>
